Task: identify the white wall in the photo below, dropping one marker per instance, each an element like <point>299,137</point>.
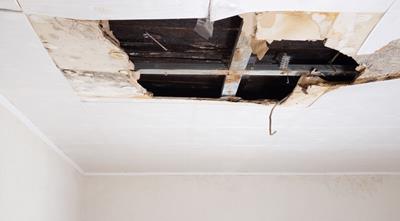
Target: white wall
<point>36,184</point>
<point>253,198</point>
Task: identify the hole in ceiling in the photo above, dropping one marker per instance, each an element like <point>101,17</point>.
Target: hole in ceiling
<point>266,87</point>
<point>201,86</point>
<point>184,47</point>
<point>305,56</point>
<point>162,48</point>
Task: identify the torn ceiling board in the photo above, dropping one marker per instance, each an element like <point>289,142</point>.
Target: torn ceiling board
<point>350,30</point>
<point>79,45</point>
<point>385,31</point>
<point>343,31</point>
<point>382,64</point>
<point>9,5</point>
<point>220,9</point>
<point>294,25</point>
<point>117,9</point>
<point>103,85</point>
<point>89,57</point>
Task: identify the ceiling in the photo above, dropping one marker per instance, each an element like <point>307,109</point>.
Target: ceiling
<point>351,129</point>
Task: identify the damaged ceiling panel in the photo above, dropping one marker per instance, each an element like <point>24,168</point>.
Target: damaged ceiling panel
<point>344,32</point>
<point>379,54</point>
<point>256,57</point>
<point>76,44</point>
<point>88,56</point>
<point>384,64</point>
<point>277,26</point>
<point>350,30</point>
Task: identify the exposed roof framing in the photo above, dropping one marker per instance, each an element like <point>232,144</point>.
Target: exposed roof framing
<point>264,70</point>
<point>240,58</point>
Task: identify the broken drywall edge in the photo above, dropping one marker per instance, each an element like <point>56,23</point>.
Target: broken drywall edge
<point>345,32</point>
<point>350,30</point>
<point>79,45</point>
<point>382,77</point>
<point>305,99</point>
<point>383,63</point>
<point>106,85</point>
<point>307,92</point>
<point>35,130</point>
<point>89,55</point>
<point>248,42</point>
<point>107,33</point>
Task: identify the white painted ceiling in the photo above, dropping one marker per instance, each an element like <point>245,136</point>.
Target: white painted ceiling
<point>351,129</point>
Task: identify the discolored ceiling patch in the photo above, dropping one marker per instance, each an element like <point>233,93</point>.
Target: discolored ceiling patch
<point>88,56</point>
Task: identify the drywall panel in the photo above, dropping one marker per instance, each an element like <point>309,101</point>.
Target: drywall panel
<point>237,198</point>
<point>386,31</point>
<point>225,8</point>
<point>36,183</point>
<point>120,9</point>
<point>9,5</point>
<point>91,59</point>
<point>344,31</point>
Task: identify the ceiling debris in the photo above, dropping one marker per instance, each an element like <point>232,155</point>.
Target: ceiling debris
<point>89,56</point>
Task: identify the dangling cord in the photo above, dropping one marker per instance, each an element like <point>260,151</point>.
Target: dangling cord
<point>272,110</point>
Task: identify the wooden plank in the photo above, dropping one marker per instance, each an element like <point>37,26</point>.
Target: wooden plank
<point>240,58</point>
